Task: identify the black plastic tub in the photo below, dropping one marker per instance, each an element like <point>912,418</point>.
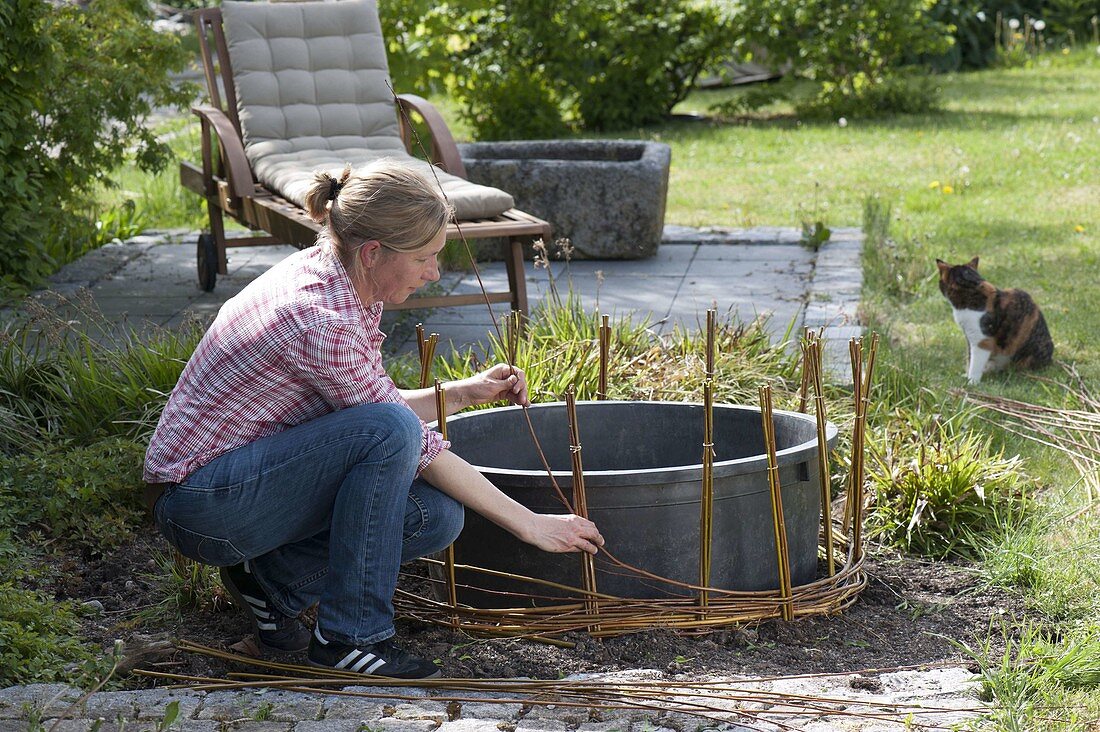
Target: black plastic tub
<point>643,476</point>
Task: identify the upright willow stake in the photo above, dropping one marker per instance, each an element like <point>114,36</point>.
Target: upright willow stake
<point>449,552</point>
<point>804,391</point>
<point>855,356</point>
<point>706,503</point>
<point>426,349</point>
<point>812,354</point>
<point>862,383</point>
<point>711,328</point>
<point>605,348</point>
<point>580,507</point>
<point>778,524</point>
<point>515,332</point>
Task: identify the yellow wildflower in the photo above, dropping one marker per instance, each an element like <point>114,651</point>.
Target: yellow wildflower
<point>948,189</point>
<point>1079,229</point>
<point>934,184</point>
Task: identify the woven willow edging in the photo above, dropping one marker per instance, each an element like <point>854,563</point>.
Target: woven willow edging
<point>697,607</point>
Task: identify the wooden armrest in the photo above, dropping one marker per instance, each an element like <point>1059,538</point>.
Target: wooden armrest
<point>444,151</point>
<point>237,170</point>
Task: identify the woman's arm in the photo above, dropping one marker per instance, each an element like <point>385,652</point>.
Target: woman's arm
<point>551,532</point>
<point>501,382</point>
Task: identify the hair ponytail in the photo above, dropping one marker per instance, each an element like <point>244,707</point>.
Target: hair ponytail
<point>387,201</point>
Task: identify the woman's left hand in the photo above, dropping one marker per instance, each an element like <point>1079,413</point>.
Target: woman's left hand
<point>498,383</point>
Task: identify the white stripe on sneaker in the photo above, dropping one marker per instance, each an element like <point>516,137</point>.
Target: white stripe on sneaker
<point>364,661</point>
<point>254,602</point>
<point>350,658</point>
<point>317,634</point>
<point>374,666</point>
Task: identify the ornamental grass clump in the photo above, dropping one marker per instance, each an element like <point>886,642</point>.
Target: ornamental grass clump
<point>559,349</point>
<point>938,487</point>
<point>68,374</point>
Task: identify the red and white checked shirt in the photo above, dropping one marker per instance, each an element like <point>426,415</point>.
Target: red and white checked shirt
<point>294,345</point>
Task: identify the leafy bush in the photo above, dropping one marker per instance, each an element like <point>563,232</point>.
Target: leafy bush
<point>38,637</point>
<point>938,489</point>
<point>76,83</point>
<point>417,34</point>
<point>850,50</point>
<point>85,496</point>
<point>981,42</point>
<point>534,68</point>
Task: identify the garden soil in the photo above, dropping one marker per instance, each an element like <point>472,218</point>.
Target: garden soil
<point>912,612</point>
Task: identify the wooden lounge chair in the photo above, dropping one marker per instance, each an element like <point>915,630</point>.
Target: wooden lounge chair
<point>297,87</point>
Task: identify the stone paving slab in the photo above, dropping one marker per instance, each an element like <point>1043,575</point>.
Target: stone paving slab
<point>151,280</point>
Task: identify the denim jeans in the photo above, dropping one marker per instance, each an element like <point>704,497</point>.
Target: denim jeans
<point>326,511</point>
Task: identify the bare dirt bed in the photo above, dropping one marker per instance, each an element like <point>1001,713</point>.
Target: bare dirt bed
<point>909,614</point>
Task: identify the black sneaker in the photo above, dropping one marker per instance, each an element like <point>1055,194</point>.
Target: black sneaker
<point>377,659</point>
<point>269,626</point>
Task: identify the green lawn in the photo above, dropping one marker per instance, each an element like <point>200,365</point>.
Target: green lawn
<point>1020,150</point>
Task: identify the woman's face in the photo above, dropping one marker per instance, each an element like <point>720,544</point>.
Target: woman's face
<point>399,274</point>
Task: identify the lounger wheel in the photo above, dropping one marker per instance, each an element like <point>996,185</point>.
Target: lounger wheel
<point>207,251</point>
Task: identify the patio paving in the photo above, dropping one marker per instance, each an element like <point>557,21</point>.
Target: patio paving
<point>151,279</point>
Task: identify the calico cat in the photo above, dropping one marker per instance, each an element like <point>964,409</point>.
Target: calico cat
<point>1002,326</point>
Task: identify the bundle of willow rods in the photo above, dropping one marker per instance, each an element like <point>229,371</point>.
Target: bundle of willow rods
<point>684,607</point>
<point>1074,432</point>
<point>748,701</point>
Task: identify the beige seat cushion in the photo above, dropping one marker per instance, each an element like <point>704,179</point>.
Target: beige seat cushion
<point>311,81</point>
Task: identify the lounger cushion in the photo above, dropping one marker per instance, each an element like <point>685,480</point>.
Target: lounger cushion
<point>312,94</point>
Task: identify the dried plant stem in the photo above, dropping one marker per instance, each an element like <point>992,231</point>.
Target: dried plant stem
<point>1074,432</point>
<point>812,357</point>
<point>783,561</point>
<point>862,381</point>
<point>711,332</point>
<point>716,700</point>
<point>804,389</point>
<point>449,552</point>
<point>426,349</point>
<point>706,500</point>
<point>580,507</point>
<point>605,351</point>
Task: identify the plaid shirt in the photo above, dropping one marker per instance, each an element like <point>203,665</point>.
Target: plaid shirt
<point>294,345</point>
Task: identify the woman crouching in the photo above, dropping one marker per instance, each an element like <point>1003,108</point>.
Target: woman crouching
<point>289,458</point>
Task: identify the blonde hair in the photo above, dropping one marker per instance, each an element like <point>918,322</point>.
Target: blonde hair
<point>387,201</point>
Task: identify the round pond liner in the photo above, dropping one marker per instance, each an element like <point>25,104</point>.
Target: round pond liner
<point>643,477</point>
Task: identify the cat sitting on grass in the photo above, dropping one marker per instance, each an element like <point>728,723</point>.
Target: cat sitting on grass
<point>1003,327</point>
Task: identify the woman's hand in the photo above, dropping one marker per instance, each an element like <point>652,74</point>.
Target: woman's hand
<point>501,382</point>
<point>563,533</point>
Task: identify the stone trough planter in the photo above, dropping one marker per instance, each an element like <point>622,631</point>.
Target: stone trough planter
<point>606,196</point>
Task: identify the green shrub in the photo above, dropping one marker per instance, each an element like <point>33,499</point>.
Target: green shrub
<point>88,497</point>
<point>76,83</point>
<point>851,51</point>
<point>533,68</point>
<point>38,637</point>
<point>938,488</point>
<point>417,34</point>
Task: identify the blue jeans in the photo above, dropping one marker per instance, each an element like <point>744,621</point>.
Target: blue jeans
<point>325,511</point>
